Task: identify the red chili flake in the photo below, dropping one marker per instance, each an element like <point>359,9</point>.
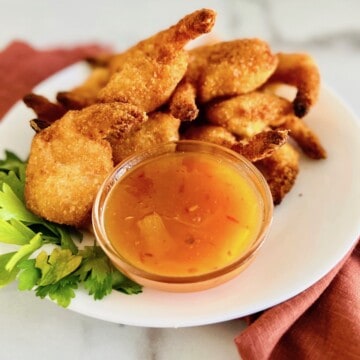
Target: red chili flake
<point>231,218</point>
<point>190,240</point>
<point>181,188</point>
<point>143,256</point>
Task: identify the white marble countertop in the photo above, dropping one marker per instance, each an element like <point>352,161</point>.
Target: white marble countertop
<point>328,29</point>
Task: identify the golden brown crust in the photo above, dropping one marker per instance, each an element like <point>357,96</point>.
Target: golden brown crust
<point>222,87</point>
<point>254,148</point>
<point>70,159</point>
<point>100,121</point>
<point>249,114</point>
<point>147,74</point>
<point>261,145</point>
<point>280,171</point>
<point>145,82</point>
<point>230,68</point>
<point>182,104</point>
<point>210,133</point>
<point>86,93</point>
<point>166,44</point>
<point>307,140</point>
<point>159,128</point>
<point>177,36</point>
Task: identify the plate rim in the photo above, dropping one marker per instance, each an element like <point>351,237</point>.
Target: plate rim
<point>75,306</point>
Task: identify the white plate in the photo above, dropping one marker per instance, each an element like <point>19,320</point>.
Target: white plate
<point>313,229</point>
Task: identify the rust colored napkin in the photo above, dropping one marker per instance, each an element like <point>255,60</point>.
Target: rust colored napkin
<point>22,67</point>
<point>323,322</point>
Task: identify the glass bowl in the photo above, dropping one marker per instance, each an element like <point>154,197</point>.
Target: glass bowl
<point>183,216</point>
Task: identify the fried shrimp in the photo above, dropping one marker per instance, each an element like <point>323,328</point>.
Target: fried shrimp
<point>237,94</point>
<point>182,104</point>
<point>280,171</point>
<point>159,128</point>
<point>307,140</point>
<point>86,93</point>
<point>147,74</point>
<point>257,147</point>
<point>249,114</point>
<point>70,159</point>
<point>261,145</point>
<point>210,133</point>
<point>301,71</point>
<point>230,68</point>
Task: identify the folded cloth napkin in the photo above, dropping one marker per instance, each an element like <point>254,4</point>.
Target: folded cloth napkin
<point>323,322</point>
<point>22,67</point>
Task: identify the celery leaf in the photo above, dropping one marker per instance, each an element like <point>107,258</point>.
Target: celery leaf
<point>29,274</point>
<point>57,265</point>
<point>6,276</point>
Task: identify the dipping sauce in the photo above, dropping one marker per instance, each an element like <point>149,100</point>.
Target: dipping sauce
<point>183,214</point>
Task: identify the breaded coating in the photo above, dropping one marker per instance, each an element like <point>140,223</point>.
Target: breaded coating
<point>144,82</point>
<point>230,68</point>
<point>147,74</point>
<point>86,93</point>
<point>301,71</point>
<point>159,128</point>
<point>168,43</point>
<point>261,145</point>
<point>182,104</point>
<point>258,147</point>
<point>71,158</point>
<point>210,133</point>
<point>307,140</point>
<point>46,111</point>
<point>280,171</point>
<point>249,114</point>
<point>158,91</point>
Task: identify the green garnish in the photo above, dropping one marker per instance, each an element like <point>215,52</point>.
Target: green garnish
<point>56,274</point>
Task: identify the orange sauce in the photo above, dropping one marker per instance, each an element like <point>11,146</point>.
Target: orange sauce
<point>182,214</point>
